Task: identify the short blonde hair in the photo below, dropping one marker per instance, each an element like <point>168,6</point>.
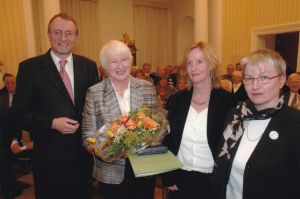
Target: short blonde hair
<point>265,57</point>
<point>114,47</point>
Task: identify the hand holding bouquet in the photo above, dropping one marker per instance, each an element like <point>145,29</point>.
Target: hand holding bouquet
<point>129,134</point>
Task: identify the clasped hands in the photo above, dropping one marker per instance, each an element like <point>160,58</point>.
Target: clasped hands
<point>65,125</point>
<point>16,148</point>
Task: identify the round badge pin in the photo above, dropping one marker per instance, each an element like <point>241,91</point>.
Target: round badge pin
<point>273,135</point>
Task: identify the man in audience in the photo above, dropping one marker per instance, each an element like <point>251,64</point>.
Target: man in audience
<point>238,87</point>
<point>8,182</point>
<point>172,74</point>
<point>49,100</point>
<point>146,69</point>
<point>5,76</point>
<point>293,83</point>
<point>182,84</point>
<point>229,71</point>
<point>238,67</point>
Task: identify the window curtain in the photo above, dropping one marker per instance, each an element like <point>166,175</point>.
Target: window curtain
<point>13,48</point>
<point>152,36</point>
<point>86,14</point>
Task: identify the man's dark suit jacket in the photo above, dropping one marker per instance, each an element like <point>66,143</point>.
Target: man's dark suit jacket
<point>5,119</point>
<point>240,94</point>
<point>7,178</point>
<point>40,97</point>
<point>3,90</point>
<point>178,106</point>
<point>273,169</point>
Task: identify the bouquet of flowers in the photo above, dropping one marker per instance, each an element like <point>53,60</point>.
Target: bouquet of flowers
<point>129,134</point>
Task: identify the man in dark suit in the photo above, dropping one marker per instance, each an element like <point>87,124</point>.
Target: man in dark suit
<point>238,87</point>
<point>293,97</point>
<point>49,100</point>
<point>5,77</point>
<point>8,182</point>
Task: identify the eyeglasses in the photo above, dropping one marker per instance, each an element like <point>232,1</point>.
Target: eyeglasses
<point>59,33</point>
<point>260,79</point>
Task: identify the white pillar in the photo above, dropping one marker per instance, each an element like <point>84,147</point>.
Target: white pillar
<point>29,28</point>
<point>50,8</point>
<point>201,20</point>
<point>215,26</point>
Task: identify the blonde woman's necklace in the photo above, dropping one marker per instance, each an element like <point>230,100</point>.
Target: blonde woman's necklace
<point>198,102</point>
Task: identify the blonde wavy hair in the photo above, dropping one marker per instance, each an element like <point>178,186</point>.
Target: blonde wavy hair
<point>211,60</point>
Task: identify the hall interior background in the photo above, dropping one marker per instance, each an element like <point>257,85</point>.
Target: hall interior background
<point>161,29</point>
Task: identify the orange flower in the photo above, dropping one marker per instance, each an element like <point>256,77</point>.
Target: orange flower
<point>114,126</point>
<point>140,115</point>
<point>130,124</point>
<point>150,124</point>
<point>124,119</point>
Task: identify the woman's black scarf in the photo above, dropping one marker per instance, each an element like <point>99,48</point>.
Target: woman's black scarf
<point>244,111</point>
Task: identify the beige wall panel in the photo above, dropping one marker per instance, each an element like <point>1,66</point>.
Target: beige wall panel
<point>182,14</point>
<point>240,16</point>
<point>12,34</point>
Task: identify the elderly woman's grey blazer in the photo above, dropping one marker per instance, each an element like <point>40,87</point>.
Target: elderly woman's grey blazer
<point>101,107</point>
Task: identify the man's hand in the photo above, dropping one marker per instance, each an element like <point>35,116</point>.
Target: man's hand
<point>173,188</point>
<point>15,148</point>
<point>65,125</point>
<point>29,146</point>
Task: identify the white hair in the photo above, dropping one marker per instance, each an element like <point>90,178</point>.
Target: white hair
<point>112,48</point>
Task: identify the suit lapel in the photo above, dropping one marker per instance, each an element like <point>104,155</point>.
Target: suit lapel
<point>136,96</point>
<point>110,101</point>
<point>213,108</point>
<point>4,101</point>
<point>181,115</point>
<point>52,74</point>
<point>78,80</point>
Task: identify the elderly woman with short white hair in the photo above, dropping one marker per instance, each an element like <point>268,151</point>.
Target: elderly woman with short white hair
<point>259,154</point>
<point>108,100</point>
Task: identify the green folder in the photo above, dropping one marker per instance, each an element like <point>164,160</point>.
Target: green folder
<point>147,165</point>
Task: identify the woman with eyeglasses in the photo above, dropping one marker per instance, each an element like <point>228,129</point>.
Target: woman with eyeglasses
<point>259,156</point>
